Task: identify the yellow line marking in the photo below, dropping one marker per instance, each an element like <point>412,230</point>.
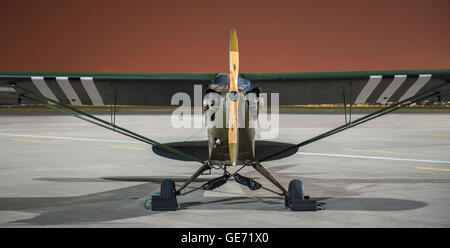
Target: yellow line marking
<point>423,168</point>
<point>357,150</point>
<point>436,135</point>
<point>119,136</point>
<point>128,147</point>
<point>24,140</point>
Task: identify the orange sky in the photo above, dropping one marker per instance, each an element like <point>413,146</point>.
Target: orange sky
<point>192,36</point>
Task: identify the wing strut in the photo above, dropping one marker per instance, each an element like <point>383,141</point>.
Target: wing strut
<point>424,95</point>
<point>417,98</point>
<point>97,121</point>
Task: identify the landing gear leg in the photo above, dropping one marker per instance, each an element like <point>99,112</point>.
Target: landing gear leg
<point>294,198</point>
<point>258,167</point>
<point>200,170</point>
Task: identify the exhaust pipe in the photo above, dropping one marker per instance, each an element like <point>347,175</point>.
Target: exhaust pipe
<point>215,183</point>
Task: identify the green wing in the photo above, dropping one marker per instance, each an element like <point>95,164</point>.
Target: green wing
<point>398,88</point>
<point>360,87</point>
<point>98,88</point>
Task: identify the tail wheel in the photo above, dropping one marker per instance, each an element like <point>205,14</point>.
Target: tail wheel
<point>167,190</point>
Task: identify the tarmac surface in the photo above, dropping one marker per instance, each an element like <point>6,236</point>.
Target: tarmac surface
<point>56,170</point>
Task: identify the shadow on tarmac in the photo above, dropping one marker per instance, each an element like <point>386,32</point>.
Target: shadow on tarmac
<point>199,149</point>
<point>128,202</point>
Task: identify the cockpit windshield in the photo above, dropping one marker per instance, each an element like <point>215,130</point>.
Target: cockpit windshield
<point>222,82</point>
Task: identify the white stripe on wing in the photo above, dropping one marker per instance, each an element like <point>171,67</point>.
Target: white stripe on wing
<point>42,86</point>
<point>368,88</point>
<point>412,91</point>
<point>70,93</point>
<point>392,88</point>
<point>91,89</point>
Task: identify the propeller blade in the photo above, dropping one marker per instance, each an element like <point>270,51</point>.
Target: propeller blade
<point>233,99</point>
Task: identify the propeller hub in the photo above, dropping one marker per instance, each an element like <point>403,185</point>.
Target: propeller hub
<point>234,96</point>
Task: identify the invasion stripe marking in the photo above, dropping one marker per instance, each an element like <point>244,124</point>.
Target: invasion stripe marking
<point>66,87</point>
<point>42,86</point>
<point>91,89</point>
<point>412,91</point>
<point>368,88</point>
<point>393,87</point>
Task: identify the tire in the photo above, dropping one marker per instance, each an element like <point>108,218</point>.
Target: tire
<point>296,190</point>
<point>167,190</point>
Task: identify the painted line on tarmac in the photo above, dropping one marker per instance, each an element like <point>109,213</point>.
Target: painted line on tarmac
<point>366,150</point>
<point>436,135</point>
<point>67,138</point>
<point>128,147</point>
<point>369,157</point>
<point>433,169</point>
<point>25,140</point>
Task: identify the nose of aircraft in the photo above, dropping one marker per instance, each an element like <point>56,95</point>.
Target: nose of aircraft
<point>233,128</point>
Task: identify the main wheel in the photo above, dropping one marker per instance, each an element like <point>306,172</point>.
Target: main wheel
<point>296,200</point>
<point>167,190</point>
<point>296,190</point>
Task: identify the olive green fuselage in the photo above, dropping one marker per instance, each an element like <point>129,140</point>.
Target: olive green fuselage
<point>218,131</point>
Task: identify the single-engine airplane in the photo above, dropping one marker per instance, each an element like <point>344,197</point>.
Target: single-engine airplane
<point>229,101</point>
